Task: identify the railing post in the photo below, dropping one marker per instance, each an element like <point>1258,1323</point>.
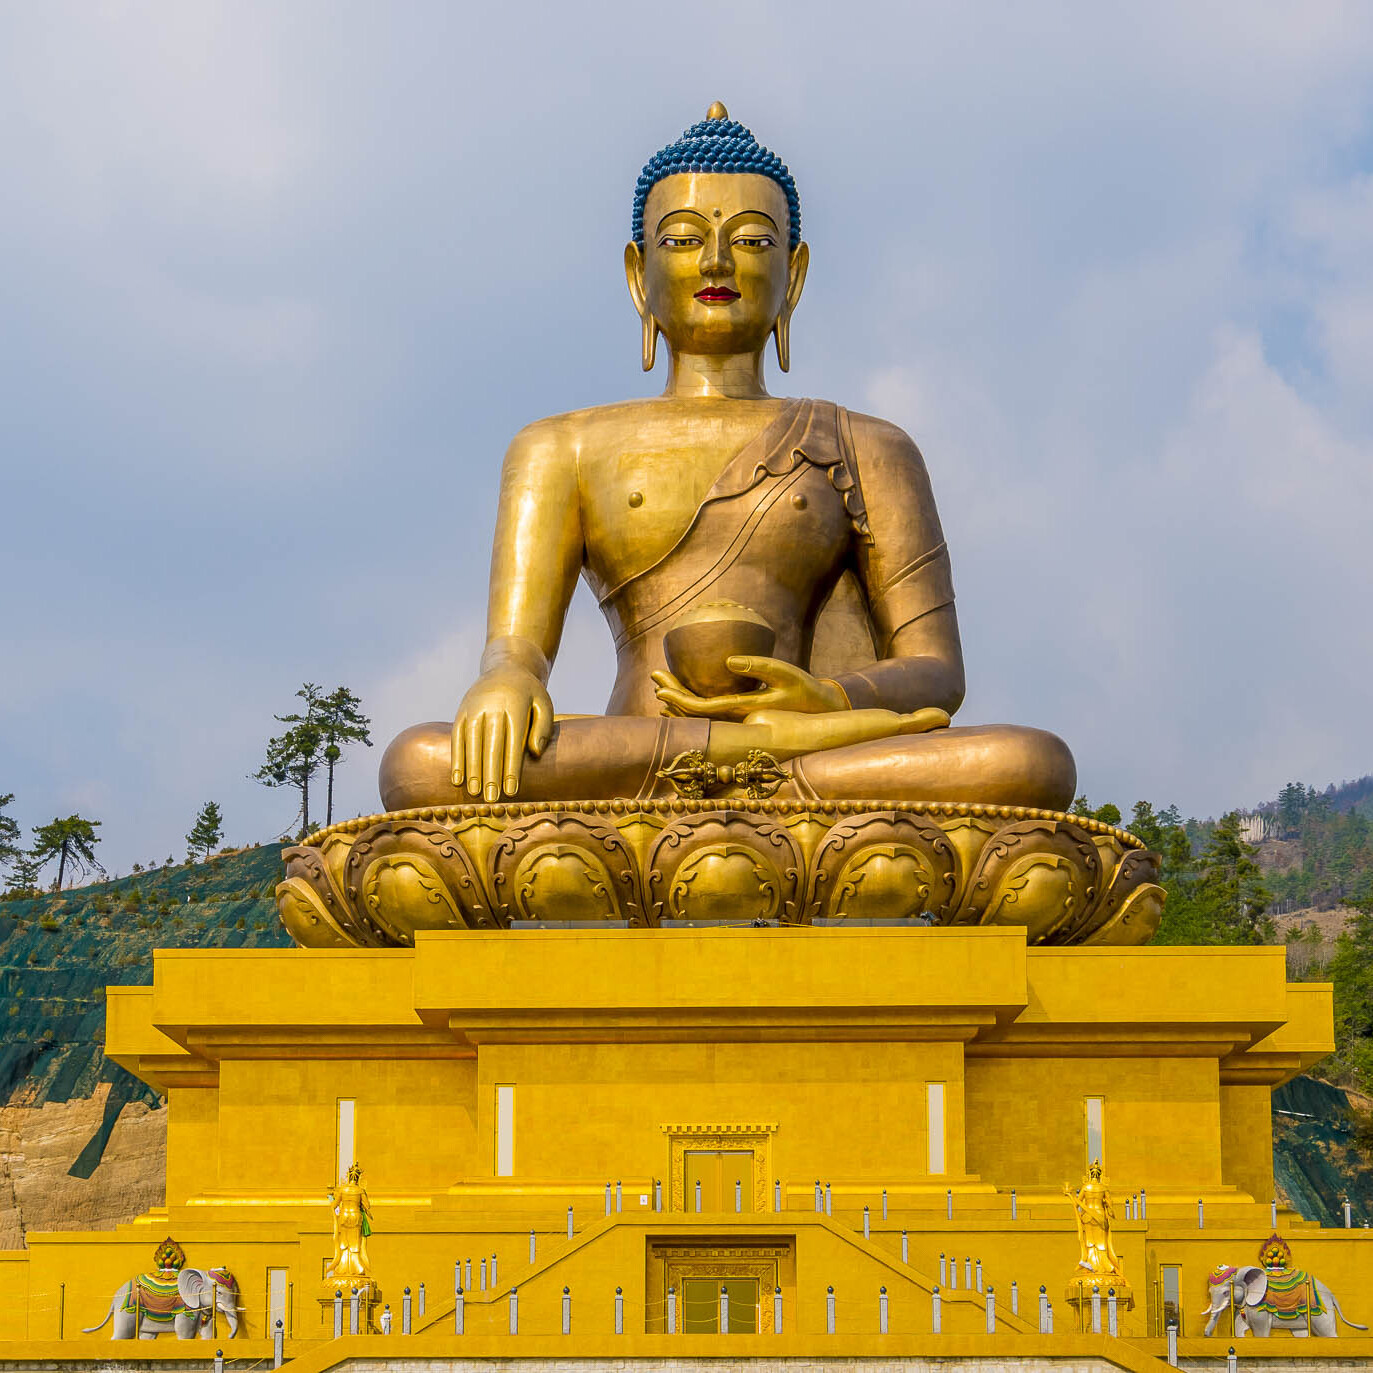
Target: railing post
<point>948,1204</point>
<point>819,1199</point>
<point>405,1312</point>
<point>1143,1204</point>
<point>421,1305</point>
<point>219,1361</point>
<point>671,1310</point>
<point>657,1194</point>
<point>457,1311</point>
<point>884,1203</point>
<point>881,1310</point>
<point>934,1311</point>
<point>353,1303</point>
<point>607,1198</point>
<point>1173,1344</point>
<point>905,1247</point>
<point>467,1280</point>
<point>619,1200</point>
<point>1348,1215</point>
<point>967,1272</point>
<point>567,1311</point>
<point>776,1310</point>
<point>1096,1309</point>
<point>338,1313</point>
<point>953,1272</point>
<point>1015,1298</point>
<point>867,1225</point>
<point>1050,1318</point>
<point>829,1201</point>
<point>514,1311</point>
<point>829,1310</point>
<point>1201,1214</point>
<point>989,1297</point>
<point>724,1309</point>
<point>619,1311</point>
<point>1112,1319</point>
<point>1043,1311</point>
<point>979,1275</point>
<point>698,1196</point>
<point>1231,1362</point>
<point>1014,1204</point>
<point>569,1222</point>
<point>278,1341</point>
<point>483,1275</point>
<point>738,1195</point>
<point>943,1271</point>
<point>531,1249</point>
<point>777,1194</point>
<point>1273,1214</point>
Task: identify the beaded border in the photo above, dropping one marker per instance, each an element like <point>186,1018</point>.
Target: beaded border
<point>511,810</point>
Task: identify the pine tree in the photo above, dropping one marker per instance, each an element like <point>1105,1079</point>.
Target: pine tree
<point>208,831</point>
<point>294,756</point>
<point>71,841</point>
<point>9,833</point>
<point>342,722</point>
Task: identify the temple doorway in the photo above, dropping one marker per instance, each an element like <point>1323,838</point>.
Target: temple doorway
<point>723,1175</point>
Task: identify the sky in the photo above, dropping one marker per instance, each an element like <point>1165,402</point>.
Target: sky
<point>279,282</point>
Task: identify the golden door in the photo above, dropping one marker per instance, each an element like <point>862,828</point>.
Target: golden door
<point>717,1170</point>
<point>701,1305</point>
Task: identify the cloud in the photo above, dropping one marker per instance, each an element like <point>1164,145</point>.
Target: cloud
<point>280,282</point>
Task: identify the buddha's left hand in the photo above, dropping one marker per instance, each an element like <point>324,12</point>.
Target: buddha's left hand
<point>785,687</point>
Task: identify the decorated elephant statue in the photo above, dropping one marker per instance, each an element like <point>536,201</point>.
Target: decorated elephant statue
<point>173,1299</point>
<point>1272,1295</point>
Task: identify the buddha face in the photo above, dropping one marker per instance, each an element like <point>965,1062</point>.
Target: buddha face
<point>715,270</point>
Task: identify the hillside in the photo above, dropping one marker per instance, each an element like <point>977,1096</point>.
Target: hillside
<point>82,1141</point>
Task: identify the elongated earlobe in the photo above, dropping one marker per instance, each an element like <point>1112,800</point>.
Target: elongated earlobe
<point>650,341</point>
<point>781,336</point>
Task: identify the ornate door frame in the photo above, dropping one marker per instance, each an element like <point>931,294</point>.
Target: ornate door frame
<point>756,1138</point>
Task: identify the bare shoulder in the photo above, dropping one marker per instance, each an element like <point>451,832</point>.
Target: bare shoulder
<point>882,441</point>
<point>568,435</point>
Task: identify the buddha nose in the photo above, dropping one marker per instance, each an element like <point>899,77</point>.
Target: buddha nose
<point>716,257</point>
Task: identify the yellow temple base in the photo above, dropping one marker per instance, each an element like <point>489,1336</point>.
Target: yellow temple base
<point>880,1111</point>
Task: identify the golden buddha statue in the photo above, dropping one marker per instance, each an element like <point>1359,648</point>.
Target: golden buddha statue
<point>352,1216</point>
<point>777,745</point>
<point>819,521</point>
<point>1095,1215</point>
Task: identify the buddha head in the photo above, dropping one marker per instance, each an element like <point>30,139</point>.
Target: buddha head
<point>716,263</point>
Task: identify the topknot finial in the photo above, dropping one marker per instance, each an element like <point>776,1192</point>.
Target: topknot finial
<point>717,111</point>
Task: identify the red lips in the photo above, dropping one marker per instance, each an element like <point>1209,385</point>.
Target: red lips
<point>717,295</point>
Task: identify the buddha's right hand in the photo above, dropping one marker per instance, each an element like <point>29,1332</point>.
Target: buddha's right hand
<point>506,710</point>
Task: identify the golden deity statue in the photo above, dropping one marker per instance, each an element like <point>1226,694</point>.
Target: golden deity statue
<point>777,744</point>
<point>352,1225</point>
<point>817,520</point>
<point>1095,1215</point>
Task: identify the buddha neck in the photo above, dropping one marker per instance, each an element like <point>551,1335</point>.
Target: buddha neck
<point>738,376</point>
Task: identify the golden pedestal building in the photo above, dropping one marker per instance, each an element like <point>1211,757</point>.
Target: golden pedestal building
<point>776,1111</point>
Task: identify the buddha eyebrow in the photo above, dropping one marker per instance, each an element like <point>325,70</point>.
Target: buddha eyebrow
<point>754,214</point>
<point>679,214</point>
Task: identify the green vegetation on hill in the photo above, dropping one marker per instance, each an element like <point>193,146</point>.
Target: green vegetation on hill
<point>58,952</point>
<point>1322,856</point>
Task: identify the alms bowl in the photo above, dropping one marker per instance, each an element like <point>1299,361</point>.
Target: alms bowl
<point>698,644</point>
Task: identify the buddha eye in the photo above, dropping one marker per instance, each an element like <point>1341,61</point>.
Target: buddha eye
<point>679,241</point>
<point>755,241</point>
